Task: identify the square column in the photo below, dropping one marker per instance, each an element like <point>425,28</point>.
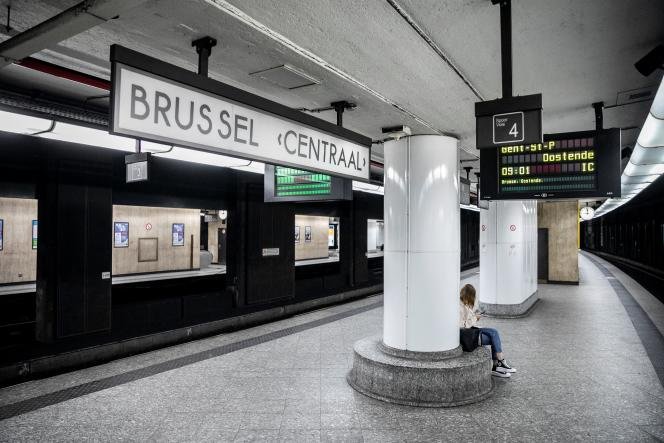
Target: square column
<point>508,258</point>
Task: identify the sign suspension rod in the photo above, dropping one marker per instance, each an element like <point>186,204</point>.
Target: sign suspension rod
<point>505,44</point>
<point>204,47</point>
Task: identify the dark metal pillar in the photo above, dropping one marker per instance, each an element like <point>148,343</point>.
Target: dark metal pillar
<point>505,44</point>
<point>204,47</point>
<point>599,115</point>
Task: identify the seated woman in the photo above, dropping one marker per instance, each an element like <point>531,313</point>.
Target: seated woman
<point>488,336</point>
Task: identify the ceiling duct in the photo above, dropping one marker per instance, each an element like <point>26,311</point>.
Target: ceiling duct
<point>636,95</point>
<point>70,22</point>
<point>22,104</point>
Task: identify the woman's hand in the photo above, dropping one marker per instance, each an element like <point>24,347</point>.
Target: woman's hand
<point>478,316</point>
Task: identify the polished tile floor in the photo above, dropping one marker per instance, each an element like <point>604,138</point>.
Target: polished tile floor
<point>583,375</point>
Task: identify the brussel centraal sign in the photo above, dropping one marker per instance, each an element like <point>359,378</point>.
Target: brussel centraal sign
<point>157,101</point>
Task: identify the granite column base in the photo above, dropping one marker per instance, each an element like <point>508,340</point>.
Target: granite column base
<point>429,379</point>
<point>511,311</point>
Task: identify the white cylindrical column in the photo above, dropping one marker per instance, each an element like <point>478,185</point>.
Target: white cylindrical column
<point>508,256</point>
<point>421,283</point>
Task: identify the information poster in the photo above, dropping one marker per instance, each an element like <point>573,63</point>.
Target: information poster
<point>2,228</point>
<point>307,234</point>
<point>34,234</point>
<point>121,235</point>
<point>297,234</point>
<point>178,234</point>
<point>331,236</point>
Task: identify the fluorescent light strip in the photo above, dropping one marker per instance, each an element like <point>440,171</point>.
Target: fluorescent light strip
<point>469,207</point>
<point>28,125</point>
<point>651,135</point>
<point>647,156</point>
<point>646,164</point>
<point>368,188</point>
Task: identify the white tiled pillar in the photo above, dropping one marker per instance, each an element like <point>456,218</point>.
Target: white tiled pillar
<point>421,283</point>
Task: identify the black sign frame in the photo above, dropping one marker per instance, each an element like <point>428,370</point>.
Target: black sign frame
<point>608,170</point>
<point>121,55</point>
<point>341,189</point>
<point>530,107</point>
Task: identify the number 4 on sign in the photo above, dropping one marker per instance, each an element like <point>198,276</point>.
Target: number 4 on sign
<point>514,132</point>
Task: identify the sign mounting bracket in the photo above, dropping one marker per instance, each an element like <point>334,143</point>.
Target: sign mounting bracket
<point>204,47</point>
<point>339,107</point>
<point>599,115</point>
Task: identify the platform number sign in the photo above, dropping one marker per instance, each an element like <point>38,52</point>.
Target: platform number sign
<point>508,122</point>
<point>508,128</point>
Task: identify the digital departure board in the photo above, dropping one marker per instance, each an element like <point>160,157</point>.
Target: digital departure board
<point>296,182</point>
<point>568,165</point>
<point>291,184</point>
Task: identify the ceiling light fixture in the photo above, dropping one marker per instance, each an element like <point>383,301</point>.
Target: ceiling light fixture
<point>646,164</point>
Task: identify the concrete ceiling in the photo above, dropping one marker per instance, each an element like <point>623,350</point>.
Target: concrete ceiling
<point>574,53</point>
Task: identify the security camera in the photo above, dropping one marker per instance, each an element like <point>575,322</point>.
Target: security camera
<point>396,132</point>
<point>651,62</point>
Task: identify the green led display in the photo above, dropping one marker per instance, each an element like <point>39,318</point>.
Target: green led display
<point>291,182</point>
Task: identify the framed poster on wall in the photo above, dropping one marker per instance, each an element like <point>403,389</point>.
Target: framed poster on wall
<point>34,233</point>
<point>2,228</point>
<point>332,236</point>
<point>297,234</point>
<point>121,235</point>
<point>307,234</point>
<point>178,234</point>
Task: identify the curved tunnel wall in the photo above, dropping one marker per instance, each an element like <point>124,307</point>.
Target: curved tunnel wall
<point>632,237</point>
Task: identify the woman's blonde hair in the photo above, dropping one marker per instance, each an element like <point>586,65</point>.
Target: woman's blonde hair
<point>468,295</point>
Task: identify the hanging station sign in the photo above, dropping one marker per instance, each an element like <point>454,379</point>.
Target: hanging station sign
<point>137,167</point>
<point>157,101</point>
<point>565,165</point>
<point>507,121</point>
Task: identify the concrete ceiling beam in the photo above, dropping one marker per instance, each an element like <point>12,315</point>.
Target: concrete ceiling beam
<point>70,22</point>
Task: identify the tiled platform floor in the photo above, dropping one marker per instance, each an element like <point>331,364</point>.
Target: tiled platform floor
<point>583,375</point>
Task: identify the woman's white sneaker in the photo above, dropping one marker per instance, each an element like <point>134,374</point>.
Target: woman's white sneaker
<point>502,366</point>
<point>497,373</point>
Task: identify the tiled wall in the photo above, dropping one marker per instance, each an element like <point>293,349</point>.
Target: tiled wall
<point>160,220</point>
<point>317,247</point>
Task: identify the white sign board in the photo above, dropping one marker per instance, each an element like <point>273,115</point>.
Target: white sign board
<point>156,108</point>
<point>270,252</point>
<point>137,172</point>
